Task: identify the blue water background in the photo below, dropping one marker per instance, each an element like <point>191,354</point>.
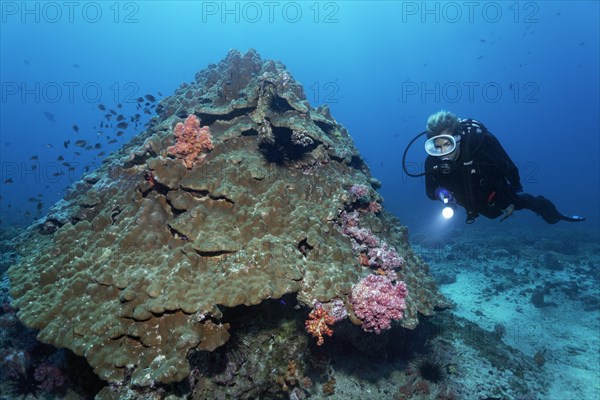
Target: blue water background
<point>527,70</point>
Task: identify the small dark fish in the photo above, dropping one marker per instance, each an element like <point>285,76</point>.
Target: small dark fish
<point>89,147</point>
<point>160,94</point>
<point>34,167</point>
<point>480,57</point>
<point>77,153</point>
<point>101,107</point>
<point>39,206</point>
<point>60,158</point>
<point>108,116</point>
<point>113,112</point>
<point>75,128</point>
<point>151,98</point>
<point>112,141</point>
<point>86,169</point>
<point>71,168</point>
<point>120,133</point>
<point>49,116</point>
<point>26,62</point>
<point>483,40</point>
<point>58,174</point>
<point>120,117</point>
<point>75,65</point>
<point>34,158</point>
<point>97,146</point>
<point>147,111</point>
<point>581,43</point>
<point>9,181</point>
<point>119,105</point>
<point>66,144</point>
<point>66,164</point>
<point>140,99</point>
<point>122,125</point>
<point>102,124</point>
<point>80,143</point>
<point>101,154</point>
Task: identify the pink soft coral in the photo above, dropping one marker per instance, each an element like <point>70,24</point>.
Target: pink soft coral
<point>376,301</point>
<point>191,141</point>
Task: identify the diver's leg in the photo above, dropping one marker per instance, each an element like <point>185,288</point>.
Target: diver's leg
<point>543,207</point>
<point>547,210</point>
<point>524,200</point>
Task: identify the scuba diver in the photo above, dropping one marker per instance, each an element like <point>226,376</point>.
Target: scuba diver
<point>468,166</point>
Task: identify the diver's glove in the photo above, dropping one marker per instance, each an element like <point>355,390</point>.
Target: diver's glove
<point>507,212</point>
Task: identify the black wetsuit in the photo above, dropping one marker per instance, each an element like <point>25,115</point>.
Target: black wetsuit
<point>484,180</point>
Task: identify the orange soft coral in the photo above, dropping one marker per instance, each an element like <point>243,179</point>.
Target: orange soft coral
<point>317,323</point>
<point>191,141</point>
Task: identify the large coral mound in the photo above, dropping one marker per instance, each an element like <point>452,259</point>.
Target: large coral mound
<point>132,269</point>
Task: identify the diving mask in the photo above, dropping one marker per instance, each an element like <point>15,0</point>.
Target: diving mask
<point>441,145</point>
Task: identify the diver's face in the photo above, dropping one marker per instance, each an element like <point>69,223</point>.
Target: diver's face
<point>445,144</point>
<point>442,145</point>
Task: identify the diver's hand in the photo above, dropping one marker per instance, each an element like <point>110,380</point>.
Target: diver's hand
<point>507,212</point>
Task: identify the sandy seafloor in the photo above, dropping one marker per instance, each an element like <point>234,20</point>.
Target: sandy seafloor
<point>505,270</point>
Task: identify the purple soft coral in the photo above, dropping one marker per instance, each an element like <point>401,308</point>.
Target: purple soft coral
<point>384,257</point>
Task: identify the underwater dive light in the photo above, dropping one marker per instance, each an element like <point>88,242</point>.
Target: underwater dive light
<point>449,206</point>
<point>448,211</point>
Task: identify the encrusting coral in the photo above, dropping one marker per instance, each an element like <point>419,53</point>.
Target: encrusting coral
<point>133,268</point>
